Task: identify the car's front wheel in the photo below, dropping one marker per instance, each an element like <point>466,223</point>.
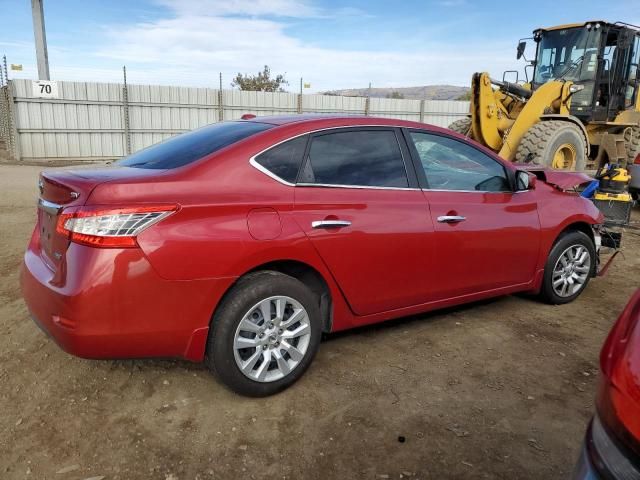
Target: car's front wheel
<point>570,265</point>
<point>264,334</point>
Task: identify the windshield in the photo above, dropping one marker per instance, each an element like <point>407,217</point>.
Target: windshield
<point>189,147</point>
<point>570,54</point>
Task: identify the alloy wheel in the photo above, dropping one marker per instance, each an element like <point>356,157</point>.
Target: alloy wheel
<point>571,271</point>
<point>272,339</point>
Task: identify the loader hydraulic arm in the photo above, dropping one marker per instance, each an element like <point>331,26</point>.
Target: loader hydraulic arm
<point>513,89</point>
<point>500,118</point>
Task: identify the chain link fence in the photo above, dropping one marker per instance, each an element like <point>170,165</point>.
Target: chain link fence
<point>6,119</point>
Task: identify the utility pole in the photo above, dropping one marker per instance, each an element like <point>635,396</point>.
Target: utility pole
<point>41,39</point>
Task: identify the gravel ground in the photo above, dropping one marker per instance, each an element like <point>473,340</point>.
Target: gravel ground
<point>498,389</point>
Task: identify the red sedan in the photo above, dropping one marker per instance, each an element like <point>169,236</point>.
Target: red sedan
<point>241,242</point>
<point>611,448</point>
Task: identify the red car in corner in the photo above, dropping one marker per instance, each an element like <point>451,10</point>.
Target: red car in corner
<point>611,448</point>
<point>240,243</point>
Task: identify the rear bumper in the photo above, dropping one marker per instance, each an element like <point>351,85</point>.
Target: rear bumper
<point>585,470</point>
<point>110,303</point>
<point>602,457</point>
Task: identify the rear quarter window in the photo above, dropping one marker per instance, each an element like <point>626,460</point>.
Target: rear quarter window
<point>189,147</point>
<point>284,160</point>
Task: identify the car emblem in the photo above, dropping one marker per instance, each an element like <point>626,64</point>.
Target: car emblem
<point>41,185</point>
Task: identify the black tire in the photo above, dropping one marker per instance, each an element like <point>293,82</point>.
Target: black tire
<point>462,126</point>
<point>565,241</point>
<point>248,292</point>
<point>632,143</point>
<point>545,138</point>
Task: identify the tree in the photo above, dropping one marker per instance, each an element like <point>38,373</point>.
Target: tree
<point>395,95</point>
<point>465,96</point>
<point>262,82</point>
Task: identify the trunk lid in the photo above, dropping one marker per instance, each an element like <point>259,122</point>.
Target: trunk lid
<point>58,190</point>
<point>63,189</point>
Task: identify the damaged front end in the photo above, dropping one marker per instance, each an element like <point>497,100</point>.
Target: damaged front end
<point>607,235</point>
<point>605,238</point>
<point>560,179</point>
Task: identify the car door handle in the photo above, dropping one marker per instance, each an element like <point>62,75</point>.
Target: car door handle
<point>451,219</point>
<point>330,223</point>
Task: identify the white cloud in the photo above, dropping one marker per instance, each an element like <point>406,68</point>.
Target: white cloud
<point>196,39</point>
<point>276,8</point>
<point>191,48</point>
<point>452,3</point>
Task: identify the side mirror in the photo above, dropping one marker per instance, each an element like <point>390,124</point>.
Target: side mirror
<point>525,181</point>
<point>521,48</point>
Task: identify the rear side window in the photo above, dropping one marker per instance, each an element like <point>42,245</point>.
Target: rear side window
<point>284,160</point>
<point>356,158</point>
<point>189,147</point>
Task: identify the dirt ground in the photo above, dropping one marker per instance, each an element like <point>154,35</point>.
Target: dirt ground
<point>500,389</point>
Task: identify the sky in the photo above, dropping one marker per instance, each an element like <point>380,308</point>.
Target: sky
<point>330,44</point>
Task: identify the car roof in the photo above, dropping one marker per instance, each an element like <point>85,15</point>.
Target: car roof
<point>330,120</point>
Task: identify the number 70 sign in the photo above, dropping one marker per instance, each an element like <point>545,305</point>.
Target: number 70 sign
<point>44,89</point>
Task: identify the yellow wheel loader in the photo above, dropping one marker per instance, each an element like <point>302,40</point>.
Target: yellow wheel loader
<point>581,107</point>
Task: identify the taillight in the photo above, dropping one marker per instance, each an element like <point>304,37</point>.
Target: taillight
<point>114,227</point>
<point>616,342</point>
<point>637,160</point>
<point>618,400</point>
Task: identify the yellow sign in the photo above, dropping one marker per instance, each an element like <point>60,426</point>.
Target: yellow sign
<point>307,85</point>
<point>16,66</point>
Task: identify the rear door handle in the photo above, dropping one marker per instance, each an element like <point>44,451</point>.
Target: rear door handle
<point>330,223</point>
<point>451,219</point>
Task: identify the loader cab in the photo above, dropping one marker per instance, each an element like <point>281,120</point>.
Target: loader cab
<point>601,57</point>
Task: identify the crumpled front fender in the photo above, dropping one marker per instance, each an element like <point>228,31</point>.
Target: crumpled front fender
<point>561,179</point>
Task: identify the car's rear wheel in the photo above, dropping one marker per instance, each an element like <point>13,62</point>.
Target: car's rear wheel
<point>265,334</point>
<point>570,266</point>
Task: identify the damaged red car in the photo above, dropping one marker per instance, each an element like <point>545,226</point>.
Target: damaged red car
<point>240,243</point>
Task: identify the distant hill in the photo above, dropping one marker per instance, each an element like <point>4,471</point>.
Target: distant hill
<point>427,92</point>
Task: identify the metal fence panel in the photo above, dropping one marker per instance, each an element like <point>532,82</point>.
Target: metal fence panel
<point>333,104</point>
<point>236,103</point>
<point>442,113</point>
<point>87,121</point>
<point>159,112</point>
<point>395,108</point>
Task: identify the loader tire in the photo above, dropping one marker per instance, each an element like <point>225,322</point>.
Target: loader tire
<point>632,143</point>
<point>462,126</point>
<point>554,143</point>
